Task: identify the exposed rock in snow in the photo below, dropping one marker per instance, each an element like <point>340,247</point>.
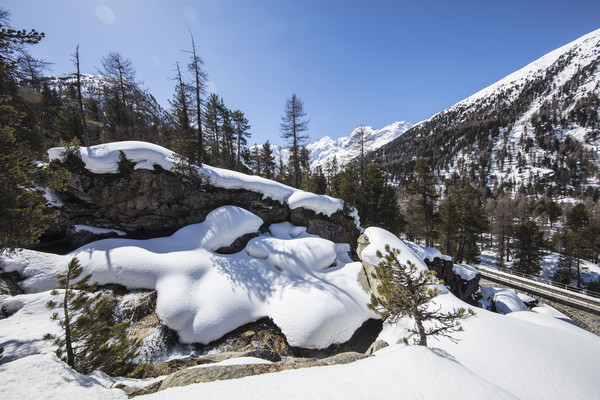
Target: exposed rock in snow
<point>104,159</point>
<point>149,203</point>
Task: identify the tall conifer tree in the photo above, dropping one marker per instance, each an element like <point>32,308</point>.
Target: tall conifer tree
<point>293,124</point>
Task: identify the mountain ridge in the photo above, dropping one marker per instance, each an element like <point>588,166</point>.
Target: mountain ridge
<point>537,126</point>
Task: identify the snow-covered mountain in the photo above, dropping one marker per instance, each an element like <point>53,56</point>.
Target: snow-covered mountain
<point>537,127</point>
<point>93,86</point>
<point>348,147</point>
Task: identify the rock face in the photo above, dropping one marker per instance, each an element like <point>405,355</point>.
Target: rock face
<point>461,288</point>
<point>368,279</point>
<point>260,335</point>
<point>9,283</point>
<point>223,372</point>
<point>144,204</point>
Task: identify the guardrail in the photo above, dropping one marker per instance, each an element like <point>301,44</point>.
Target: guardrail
<point>572,294</point>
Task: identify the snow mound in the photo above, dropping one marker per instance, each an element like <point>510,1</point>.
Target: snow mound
<point>396,372</point>
<point>306,284</point>
<point>506,300</point>
<point>44,376</point>
<point>379,238</point>
<point>104,159</point>
<point>22,333</point>
<point>465,271</point>
<point>427,253</point>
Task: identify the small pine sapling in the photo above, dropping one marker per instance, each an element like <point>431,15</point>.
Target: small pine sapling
<point>405,291</point>
<point>91,339</point>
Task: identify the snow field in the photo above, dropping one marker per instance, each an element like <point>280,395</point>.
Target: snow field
<point>526,355</point>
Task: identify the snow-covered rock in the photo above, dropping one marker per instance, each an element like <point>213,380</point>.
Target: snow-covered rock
<point>104,159</point>
<point>149,202</point>
<point>505,300</point>
<point>305,284</point>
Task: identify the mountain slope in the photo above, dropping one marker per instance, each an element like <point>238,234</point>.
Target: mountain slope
<point>537,128</point>
<point>347,148</point>
<point>93,86</point>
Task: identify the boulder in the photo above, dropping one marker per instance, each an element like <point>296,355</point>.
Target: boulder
<point>457,284</point>
<point>368,279</point>
<point>260,335</point>
<point>504,301</point>
<point>376,346</point>
<point>9,283</point>
<point>145,204</point>
<point>462,288</point>
<point>172,366</point>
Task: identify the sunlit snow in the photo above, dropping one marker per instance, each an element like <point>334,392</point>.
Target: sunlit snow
<point>306,284</point>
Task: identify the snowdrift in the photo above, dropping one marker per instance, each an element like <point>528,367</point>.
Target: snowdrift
<point>307,285</point>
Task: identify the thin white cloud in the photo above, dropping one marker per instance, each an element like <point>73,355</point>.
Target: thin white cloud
<point>105,14</point>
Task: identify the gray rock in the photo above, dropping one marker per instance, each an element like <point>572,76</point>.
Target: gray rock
<point>147,204</point>
<point>376,346</point>
<point>9,283</point>
<point>370,271</point>
<point>463,289</point>
<point>225,372</point>
<point>344,358</point>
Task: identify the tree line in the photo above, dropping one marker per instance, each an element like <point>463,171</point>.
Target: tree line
<point>463,219</point>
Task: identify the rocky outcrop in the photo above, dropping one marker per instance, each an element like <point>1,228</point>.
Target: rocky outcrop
<point>368,279</point>
<point>461,288</point>
<point>144,204</point>
<point>190,370</point>
<point>256,336</point>
<point>9,283</point>
<point>224,372</point>
<point>376,346</point>
<point>172,366</point>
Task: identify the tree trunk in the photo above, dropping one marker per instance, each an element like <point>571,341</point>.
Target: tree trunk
<point>68,344</point>
<point>80,99</point>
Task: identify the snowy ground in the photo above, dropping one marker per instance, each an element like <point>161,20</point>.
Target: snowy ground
<point>527,355</point>
<point>310,289</point>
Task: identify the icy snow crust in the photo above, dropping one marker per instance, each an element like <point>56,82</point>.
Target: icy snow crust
<point>104,159</point>
<point>306,284</point>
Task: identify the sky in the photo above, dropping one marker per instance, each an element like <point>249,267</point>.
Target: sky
<point>351,62</point>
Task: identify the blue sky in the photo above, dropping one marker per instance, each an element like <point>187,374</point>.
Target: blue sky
<point>351,62</point>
